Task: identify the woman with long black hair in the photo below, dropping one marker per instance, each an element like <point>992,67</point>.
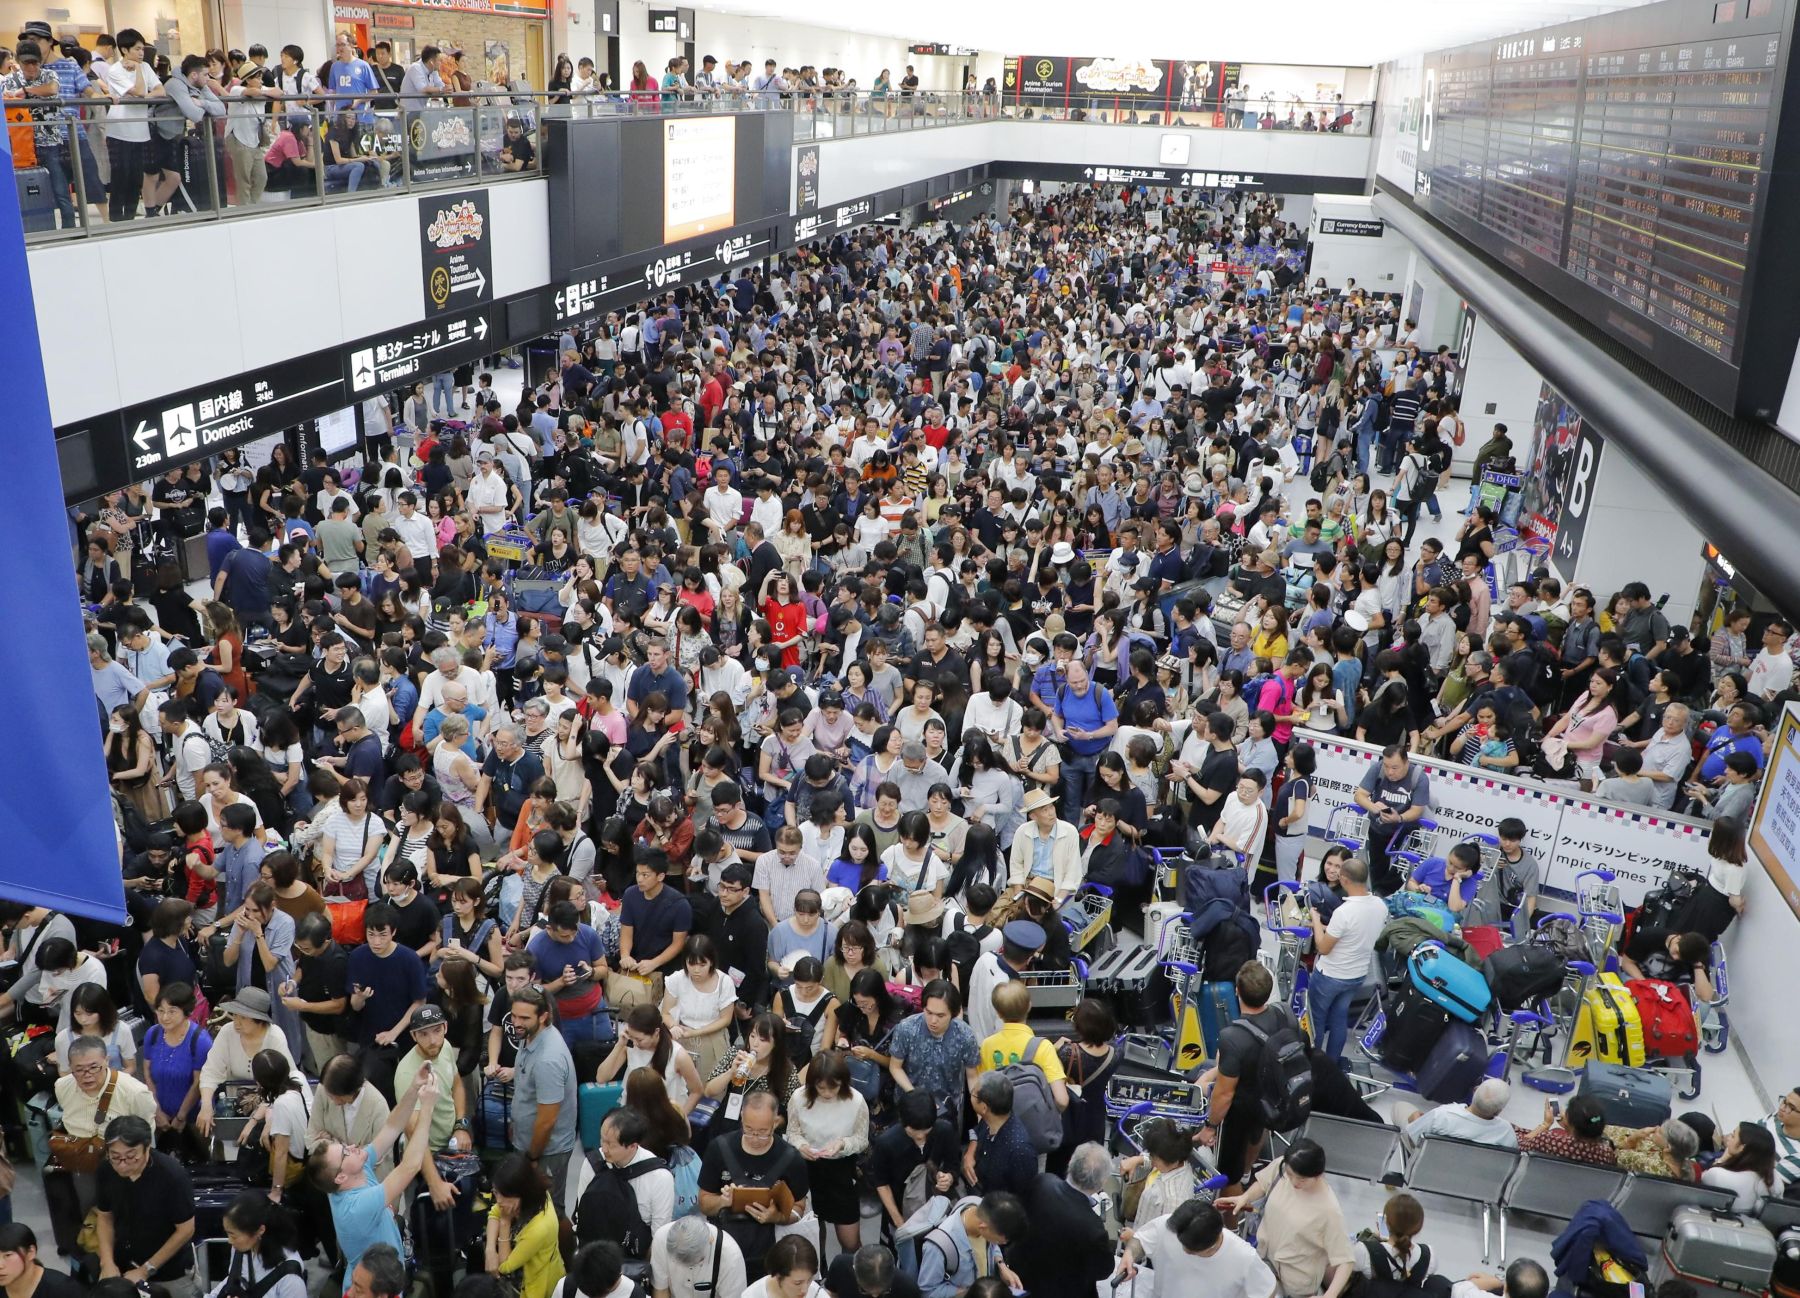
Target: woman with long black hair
<point>264,1259</point>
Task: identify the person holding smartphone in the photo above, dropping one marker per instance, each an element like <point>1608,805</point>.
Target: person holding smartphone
<point>568,962</point>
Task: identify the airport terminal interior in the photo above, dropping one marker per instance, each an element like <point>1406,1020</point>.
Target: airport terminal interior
<point>774,649</point>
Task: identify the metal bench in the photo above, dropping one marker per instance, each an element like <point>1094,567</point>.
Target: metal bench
<point>1647,1202</point>
<point>1467,1171</point>
<point>1362,1151</point>
<point>1555,1188</point>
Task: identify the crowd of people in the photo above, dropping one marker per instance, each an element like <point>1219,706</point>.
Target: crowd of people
<point>872,605</point>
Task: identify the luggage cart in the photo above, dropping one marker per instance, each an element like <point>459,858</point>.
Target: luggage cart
<point>1429,841</point>
<point>1056,990</point>
<point>1714,1018</point>
<point>1347,826</point>
<point>1208,1180</point>
<point>1176,943</point>
<point>1087,915</point>
<point>1601,912</point>
<point>1292,945</point>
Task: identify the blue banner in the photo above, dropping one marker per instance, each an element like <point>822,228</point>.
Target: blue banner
<point>56,817</point>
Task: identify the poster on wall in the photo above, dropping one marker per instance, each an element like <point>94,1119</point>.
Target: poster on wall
<point>1566,830</point>
<point>456,251</point>
<point>1559,477</point>
<point>806,179</point>
<point>1177,85</point>
<point>498,62</point>
<point>1775,828</point>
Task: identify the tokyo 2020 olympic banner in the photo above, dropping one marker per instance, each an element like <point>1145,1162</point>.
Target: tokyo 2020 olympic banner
<point>1567,831</point>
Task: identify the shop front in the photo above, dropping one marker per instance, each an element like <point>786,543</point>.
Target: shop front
<point>502,41</point>
<point>176,27</point>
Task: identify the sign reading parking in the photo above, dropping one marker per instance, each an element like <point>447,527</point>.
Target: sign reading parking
<point>456,251</point>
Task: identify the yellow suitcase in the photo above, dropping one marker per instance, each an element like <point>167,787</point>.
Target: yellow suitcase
<point>1608,1029</point>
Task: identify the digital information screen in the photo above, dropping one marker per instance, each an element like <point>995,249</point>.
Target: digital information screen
<point>1632,154</point>
<point>337,431</point>
<point>699,176</point>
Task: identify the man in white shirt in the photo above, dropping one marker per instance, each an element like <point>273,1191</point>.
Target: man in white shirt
<point>192,752</point>
<point>767,511</point>
<point>488,495</point>
<point>414,529</point>
<point>692,1258</point>
<point>719,674</point>
<point>621,1149</point>
<point>1345,947</point>
<point>133,84</point>
<point>1191,1252</point>
<point>1479,1120</point>
<point>724,504</point>
<point>1772,671</point>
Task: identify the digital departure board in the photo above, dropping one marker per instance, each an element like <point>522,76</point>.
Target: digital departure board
<point>1625,164</point>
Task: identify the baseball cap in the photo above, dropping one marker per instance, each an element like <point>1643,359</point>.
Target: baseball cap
<point>426,1016</point>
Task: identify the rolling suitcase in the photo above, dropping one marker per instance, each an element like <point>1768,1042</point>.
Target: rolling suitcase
<point>1413,1026</point>
<point>37,204</point>
<point>493,1117</point>
<point>1134,983</point>
<point>1785,1282</point>
<point>1607,1029</point>
<point>593,1101</point>
<point>1631,1097</point>
<point>1716,1252</point>
<point>1665,1019</point>
<point>1448,983</point>
<point>1457,1062</point>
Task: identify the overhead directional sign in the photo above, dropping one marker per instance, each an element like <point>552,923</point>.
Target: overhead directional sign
<point>1267,181</point>
<point>204,421</point>
<point>381,364</point>
<point>456,251</point>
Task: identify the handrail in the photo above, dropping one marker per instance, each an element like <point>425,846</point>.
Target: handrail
<point>458,137</point>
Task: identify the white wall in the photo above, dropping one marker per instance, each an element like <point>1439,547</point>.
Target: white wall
<point>637,41</point>
<point>1637,532</point>
<point>1439,307</point>
<point>274,23</point>
<point>853,167</point>
<point>1289,80</point>
<point>575,31</point>
<point>1760,949</point>
<point>1500,387</point>
<point>317,260</point>
<point>1375,264</point>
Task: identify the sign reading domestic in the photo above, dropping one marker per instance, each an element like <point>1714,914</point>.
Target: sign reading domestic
<point>806,179</point>
<point>204,421</point>
<point>1352,227</point>
<point>384,363</point>
<point>456,251</point>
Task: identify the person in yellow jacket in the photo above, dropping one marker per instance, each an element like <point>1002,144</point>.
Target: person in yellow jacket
<point>522,1228</point>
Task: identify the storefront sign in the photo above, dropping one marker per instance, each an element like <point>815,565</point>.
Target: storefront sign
<point>523,8</point>
<point>941,50</point>
<point>456,251</point>
<point>351,13</point>
<point>806,178</point>
<point>1351,227</point>
<point>381,364</point>
<point>395,22</point>
<point>1567,831</point>
<point>204,421</point>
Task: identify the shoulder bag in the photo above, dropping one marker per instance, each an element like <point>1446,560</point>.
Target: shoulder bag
<point>80,1154</point>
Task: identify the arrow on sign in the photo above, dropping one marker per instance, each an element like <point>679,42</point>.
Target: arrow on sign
<point>481,327</point>
<point>143,431</point>
<point>559,301</point>
<point>479,281</point>
<point>1088,172</point>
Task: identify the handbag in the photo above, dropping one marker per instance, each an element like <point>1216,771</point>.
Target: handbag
<point>79,1154</point>
<point>347,927</point>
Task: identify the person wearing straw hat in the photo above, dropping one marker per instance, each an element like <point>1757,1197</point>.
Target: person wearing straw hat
<point>1045,848</point>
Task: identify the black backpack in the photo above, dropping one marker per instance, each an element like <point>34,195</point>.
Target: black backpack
<point>609,1210</point>
<point>1284,1079</point>
<point>963,948</point>
<point>802,1029</point>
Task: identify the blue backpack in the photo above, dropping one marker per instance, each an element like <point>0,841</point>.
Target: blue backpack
<point>685,1164</point>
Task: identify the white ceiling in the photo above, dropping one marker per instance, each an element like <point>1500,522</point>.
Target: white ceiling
<point>1334,33</point>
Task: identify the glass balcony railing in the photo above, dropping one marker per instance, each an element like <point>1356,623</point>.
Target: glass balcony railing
<point>79,175</point>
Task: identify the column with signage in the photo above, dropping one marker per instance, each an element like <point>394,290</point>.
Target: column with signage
<point>57,817</point>
<point>1499,386</point>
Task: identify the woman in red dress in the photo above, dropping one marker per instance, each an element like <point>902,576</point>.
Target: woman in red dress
<point>786,616</point>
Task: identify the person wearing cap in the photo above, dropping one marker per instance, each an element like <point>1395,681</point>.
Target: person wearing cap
<point>32,80</point>
<point>447,1123</point>
<point>1020,942</point>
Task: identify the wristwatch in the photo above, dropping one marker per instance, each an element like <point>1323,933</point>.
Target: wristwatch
<point>462,1124</point>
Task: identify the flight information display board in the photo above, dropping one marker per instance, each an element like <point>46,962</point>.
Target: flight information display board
<point>1625,164</point>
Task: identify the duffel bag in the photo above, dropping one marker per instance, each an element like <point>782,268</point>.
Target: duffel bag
<point>1519,975</point>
